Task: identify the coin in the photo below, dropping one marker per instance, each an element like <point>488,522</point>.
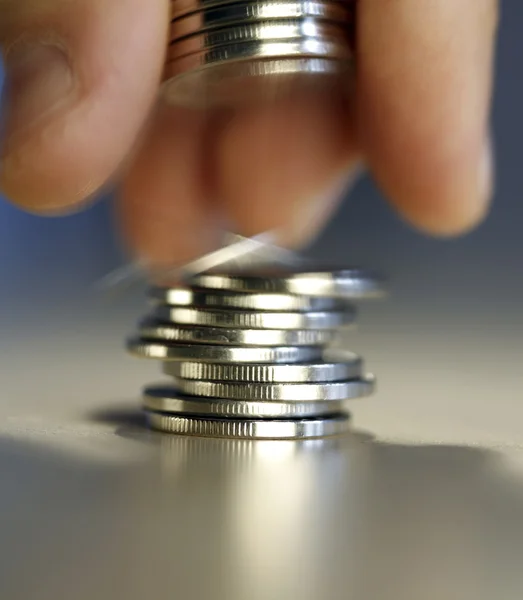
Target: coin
<point>345,283</point>
<point>180,296</point>
<point>205,87</point>
<point>277,30</point>
<point>244,12</point>
<point>170,400</point>
<point>154,330</point>
<point>254,319</point>
<point>259,50</point>
<point>220,354</point>
<point>183,7</point>
<point>249,428</point>
<point>299,392</point>
<point>348,366</point>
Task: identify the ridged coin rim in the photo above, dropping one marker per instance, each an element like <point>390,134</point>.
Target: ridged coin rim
<point>182,8</point>
<point>228,319</point>
<point>273,30</point>
<point>215,353</point>
<point>245,11</point>
<point>166,399</point>
<point>350,367</point>
<point>151,329</point>
<point>249,428</point>
<point>298,392</point>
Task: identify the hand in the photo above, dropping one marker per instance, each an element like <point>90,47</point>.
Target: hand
<point>82,80</point>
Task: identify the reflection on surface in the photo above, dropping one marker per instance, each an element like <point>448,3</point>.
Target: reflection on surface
<point>341,518</point>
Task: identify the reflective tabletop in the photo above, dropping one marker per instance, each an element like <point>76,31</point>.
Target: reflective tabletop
<point>422,500</point>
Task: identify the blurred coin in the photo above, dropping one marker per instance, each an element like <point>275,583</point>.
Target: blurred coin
<point>220,354</point>
<point>345,283</point>
<point>284,30</point>
<point>255,50</point>
<point>254,319</point>
<point>180,8</point>
<point>179,296</point>
<point>244,12</point>
<point>249,428</point>
<point>152,329</point>
<point>170,400</point>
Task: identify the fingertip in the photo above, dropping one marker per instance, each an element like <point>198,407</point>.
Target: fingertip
<point>449,210</point>
<point>424,110</point>
<point>80,81</point>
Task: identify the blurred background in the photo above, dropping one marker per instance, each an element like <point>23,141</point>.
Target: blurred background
<point>446,346</point>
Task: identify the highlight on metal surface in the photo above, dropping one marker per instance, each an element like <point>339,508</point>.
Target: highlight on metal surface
<point>245,347</point>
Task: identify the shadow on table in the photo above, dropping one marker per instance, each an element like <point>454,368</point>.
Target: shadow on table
<point>343,518</point>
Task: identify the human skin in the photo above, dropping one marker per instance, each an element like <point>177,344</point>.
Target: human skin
<point>82,112</point>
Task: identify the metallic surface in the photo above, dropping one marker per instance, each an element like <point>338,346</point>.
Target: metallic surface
<point>229,41</point>
<point>299,392</point>
<point>348,367</point>
<point>253,319</point>
<point>244,12</point>
<point>250,428</point>
<point>169,400</point>
<point>275,302</point>
<point>256,50</point>
<point>275,354</point>
<point>203,87</point>
<point>154,330</point>
<point>264,31</point>
<point>347,283</point>
<point>183,7</point>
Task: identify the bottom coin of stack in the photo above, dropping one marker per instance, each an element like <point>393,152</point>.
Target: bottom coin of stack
<point>247,354</point>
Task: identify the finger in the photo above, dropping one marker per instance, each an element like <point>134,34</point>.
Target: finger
<point>424,81</point>
<point>81,78</point>
<point>284,165</point>
<point>164,203</point>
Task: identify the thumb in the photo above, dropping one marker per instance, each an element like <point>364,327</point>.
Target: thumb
<point>81,76</point>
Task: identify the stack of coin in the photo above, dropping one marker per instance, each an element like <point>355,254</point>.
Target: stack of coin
<point>257,37</point>
<point>248,353</point>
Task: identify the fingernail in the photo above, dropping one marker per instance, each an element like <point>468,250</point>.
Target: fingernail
<point>38,79</point>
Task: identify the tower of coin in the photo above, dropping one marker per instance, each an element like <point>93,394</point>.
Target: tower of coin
<point>248,353</point>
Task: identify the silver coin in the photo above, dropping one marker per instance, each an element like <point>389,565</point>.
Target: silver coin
<point>253,319</point>
<point>170,400</point>
<point>199,44</point>
<point>154,330</point>
<point>284,29</point>
<point>345,283</point>
<point>348,366</point>
<point>249,428</point>
<point>259,50</point>
<point>179,296</point>
<point>245,12</point>
<point>203,87</point>
<point>184,7</point>
<point>220,354</point>
<point>298,392</point>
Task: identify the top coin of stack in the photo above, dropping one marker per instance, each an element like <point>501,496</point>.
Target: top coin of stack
<point>247,353</point>
<point>239,38</point>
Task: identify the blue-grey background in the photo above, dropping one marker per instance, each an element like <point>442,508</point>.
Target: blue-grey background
<point>454,315</point>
